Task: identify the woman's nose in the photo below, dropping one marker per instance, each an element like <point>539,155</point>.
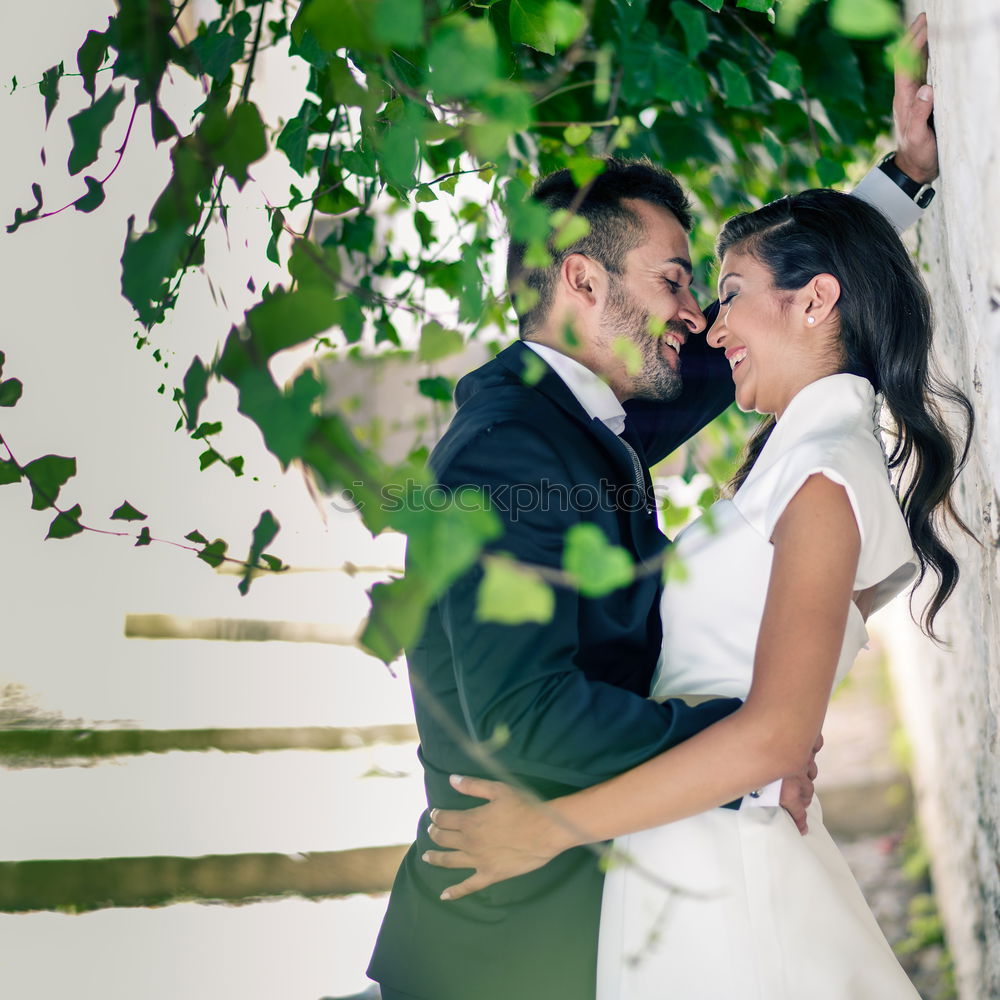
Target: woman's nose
<point>717,332</point>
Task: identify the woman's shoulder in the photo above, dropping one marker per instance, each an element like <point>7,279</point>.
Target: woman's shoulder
<point>831,430</point>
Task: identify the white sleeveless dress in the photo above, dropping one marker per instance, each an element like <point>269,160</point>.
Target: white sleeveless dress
<point>763,913</point>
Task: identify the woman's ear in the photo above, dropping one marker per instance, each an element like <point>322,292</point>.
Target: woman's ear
<point>819,299</point>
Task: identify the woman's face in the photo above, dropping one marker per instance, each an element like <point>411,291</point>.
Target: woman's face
<point>770,344</point>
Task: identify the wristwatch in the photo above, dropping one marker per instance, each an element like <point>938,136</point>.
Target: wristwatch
<point>922,194</point>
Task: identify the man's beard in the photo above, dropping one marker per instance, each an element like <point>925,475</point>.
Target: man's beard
<point>624,317</point>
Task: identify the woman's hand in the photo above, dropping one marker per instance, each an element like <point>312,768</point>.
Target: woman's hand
<point>511,835</point>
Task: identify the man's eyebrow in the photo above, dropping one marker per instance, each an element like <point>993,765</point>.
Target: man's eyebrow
<point>683,262</point>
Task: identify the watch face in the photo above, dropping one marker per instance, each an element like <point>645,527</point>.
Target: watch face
<point>925,197</point>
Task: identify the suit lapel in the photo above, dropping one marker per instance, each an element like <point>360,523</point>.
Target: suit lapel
<point>519,359</point>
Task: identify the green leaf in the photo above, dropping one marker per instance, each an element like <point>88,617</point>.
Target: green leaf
<point>47,476</point>
<point>396,619</point>
<point>576,135</point>
<point>761,6</point>
<point>443,539</point>
<point>236,141</point>
<point>9,473</point>
<point>94,197</point>
<point>10,392</point>
<point>207,459</point>
<point>566,21</point>
<point>829,171</point>
<point>289,318</point>
<point>694,25</point>
<point>66,524</point>
<point>49,87</point>
<point>511,594</point>
<point>439,387</point>
<point>597,566</point>
<point>463,57</point>
<point>206,430</point>
<point>294,138</point>
<point>864,18</point>
<point>285,418</point>
<point>126,512</point>
<point>265,532</point>
<point>436,342</point>
<point>197,537</point>
<point>87,128</point>
<point>567,228</point>
<point>715,5</point>
<point>214,553</point>
<point>398,22</point>
<point>216,52</point>
<point>144,537</point>
<point>195,390</point>
<point>735,85</point>
<point>335,24</point>
<point>529,25</point>
<point>89,57</point>
<point>584,169</point>
<point>398,149</point>
<point>786,71</point>
<point>22,215</point>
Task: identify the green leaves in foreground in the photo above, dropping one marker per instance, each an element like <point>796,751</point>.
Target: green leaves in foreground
<point>511,594</point>
<point>47,476</point>
<point>126,512</point>
<point>596,566</point>
<point>444,541</point>
<point>265,532</point>
<point>865,18</point>
<point>10,392</point>
<point>88,127</point>
<point>66,524</point>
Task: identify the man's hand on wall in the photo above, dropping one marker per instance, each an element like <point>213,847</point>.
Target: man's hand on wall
<point>912,104</point>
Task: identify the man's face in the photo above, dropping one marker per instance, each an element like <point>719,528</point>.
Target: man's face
<point>650,311</point>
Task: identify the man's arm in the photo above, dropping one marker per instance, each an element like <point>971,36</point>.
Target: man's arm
<point>523,680</point>
<point>708,390</point>
<point>895,186</point>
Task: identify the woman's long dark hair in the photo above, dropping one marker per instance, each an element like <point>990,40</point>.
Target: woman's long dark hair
<point>885,335</point>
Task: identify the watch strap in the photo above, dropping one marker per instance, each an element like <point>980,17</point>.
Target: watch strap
<point>921,194</point>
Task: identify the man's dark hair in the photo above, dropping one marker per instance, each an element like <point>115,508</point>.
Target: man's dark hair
<point>614,228</point>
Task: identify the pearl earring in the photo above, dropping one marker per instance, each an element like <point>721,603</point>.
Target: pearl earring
<point>810,320</point>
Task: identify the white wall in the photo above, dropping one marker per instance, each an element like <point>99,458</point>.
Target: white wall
<point>950,698</point>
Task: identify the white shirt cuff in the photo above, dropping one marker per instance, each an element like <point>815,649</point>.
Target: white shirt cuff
<point>769,795</point>
<point>892,201</point>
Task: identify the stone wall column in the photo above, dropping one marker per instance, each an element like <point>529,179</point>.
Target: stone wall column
<point>950,697</point>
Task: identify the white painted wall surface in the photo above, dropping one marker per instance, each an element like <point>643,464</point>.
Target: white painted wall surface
<point>950,698</point>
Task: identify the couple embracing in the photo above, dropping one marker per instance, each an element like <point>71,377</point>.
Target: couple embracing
<point>677,721</point>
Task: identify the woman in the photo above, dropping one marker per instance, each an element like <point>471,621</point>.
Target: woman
<point>821,308</point>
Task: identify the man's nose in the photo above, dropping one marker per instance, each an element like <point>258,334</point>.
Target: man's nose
<point>691,315</point>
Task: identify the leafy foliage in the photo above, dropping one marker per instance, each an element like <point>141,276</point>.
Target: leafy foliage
<point>427,112</point>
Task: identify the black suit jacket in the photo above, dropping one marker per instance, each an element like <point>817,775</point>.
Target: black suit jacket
<point>570,694</point>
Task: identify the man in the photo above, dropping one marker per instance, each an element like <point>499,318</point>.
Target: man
<point>552,429</point>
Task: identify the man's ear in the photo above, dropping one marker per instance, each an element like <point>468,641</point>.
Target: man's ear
<point>819,299</point>
<point>582,280</point>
